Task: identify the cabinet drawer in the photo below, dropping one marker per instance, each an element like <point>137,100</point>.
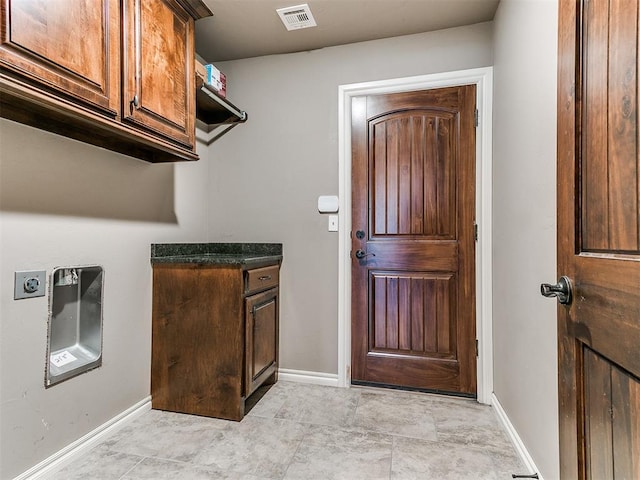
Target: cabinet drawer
<point>261,278</point>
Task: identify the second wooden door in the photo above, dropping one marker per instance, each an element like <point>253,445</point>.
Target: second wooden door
<point>413,247</point>
<point>599,239</point>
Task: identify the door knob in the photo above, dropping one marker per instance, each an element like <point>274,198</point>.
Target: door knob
<point>562,290</point>
<point>360,254</point>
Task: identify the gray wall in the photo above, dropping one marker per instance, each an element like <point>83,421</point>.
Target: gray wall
<point>266,175</point>
<point>524,228</point>
<point>67,203</point>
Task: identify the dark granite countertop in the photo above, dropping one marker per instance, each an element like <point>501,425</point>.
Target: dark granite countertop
<point>243,254</point>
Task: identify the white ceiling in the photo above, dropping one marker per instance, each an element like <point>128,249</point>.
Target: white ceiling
<point>252,28</point>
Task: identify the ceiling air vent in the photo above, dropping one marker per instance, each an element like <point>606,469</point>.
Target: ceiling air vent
<point>297,17</point>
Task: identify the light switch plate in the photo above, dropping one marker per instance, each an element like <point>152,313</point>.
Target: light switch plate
<point>29,284</point>
<point>333,223</point>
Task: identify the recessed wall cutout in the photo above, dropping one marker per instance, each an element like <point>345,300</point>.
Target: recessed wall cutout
<point>74,343</point>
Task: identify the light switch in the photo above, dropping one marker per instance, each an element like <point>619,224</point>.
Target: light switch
<point>333,223</point>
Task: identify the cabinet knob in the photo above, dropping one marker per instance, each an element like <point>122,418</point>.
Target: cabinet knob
<point>135,102</point>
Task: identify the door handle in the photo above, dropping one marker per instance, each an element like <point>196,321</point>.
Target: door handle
<point>134,103</point>
<point>561,290</point>
<point>360,254</point>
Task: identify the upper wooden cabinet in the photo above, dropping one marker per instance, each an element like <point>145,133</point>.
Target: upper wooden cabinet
<point>73,51</point>
<point>159,88</point>
<point>115,74</point>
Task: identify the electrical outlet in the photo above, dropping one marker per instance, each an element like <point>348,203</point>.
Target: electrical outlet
<point>29,284</point>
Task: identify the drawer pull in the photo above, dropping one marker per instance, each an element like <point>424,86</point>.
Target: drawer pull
<point>264,277</point>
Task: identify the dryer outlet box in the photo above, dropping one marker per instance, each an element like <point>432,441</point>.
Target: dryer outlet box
<point>29,284</point>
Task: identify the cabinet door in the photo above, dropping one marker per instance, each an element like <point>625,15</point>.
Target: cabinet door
<point>159,80</point>
<point>261,339</point>
<point>67,47</point>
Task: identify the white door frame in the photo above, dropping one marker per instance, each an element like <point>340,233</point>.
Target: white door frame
<point>483,79</point>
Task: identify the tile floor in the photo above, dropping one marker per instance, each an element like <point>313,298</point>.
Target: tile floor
<point>304,432</point>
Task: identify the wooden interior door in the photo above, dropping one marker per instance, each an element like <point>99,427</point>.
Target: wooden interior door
<point>413,247</point>
<point>599,239</point>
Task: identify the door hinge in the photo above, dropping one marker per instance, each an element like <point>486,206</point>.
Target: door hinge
<point>475,231</point>
<point>477,348</point>
<point>476,117</point>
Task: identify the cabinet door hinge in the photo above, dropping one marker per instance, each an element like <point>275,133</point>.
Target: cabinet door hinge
<point>475,231</point>
<point>476,117</point>
<point>477,348</point>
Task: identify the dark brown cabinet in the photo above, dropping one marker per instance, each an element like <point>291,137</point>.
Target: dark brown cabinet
<point>119,75</point>
<point>214,336</point>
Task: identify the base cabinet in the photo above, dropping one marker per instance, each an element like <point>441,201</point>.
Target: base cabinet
<point>214,337</point>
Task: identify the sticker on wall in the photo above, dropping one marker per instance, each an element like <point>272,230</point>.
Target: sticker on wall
<point>62,358</point>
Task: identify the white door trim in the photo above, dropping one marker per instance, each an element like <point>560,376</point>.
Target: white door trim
<point>483,79</point>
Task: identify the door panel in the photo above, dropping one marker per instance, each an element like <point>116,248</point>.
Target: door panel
<point>599,239</point>
<point>413,200</point>
<point>610,182</point>
<point>625,393</point>
<point>612,427</point>
<point>412,183</point>
<point>414,313</point>
<point>264,336</point>
<point>159,74</point>
<point>69,46</point>
<point>261,338</point>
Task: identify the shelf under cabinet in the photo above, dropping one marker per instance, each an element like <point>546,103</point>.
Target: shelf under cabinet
<point>215,115</point>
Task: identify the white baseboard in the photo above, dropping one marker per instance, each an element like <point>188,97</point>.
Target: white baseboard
<point>302,376</point>
<point>69,453</point>
<point>519,445</point>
